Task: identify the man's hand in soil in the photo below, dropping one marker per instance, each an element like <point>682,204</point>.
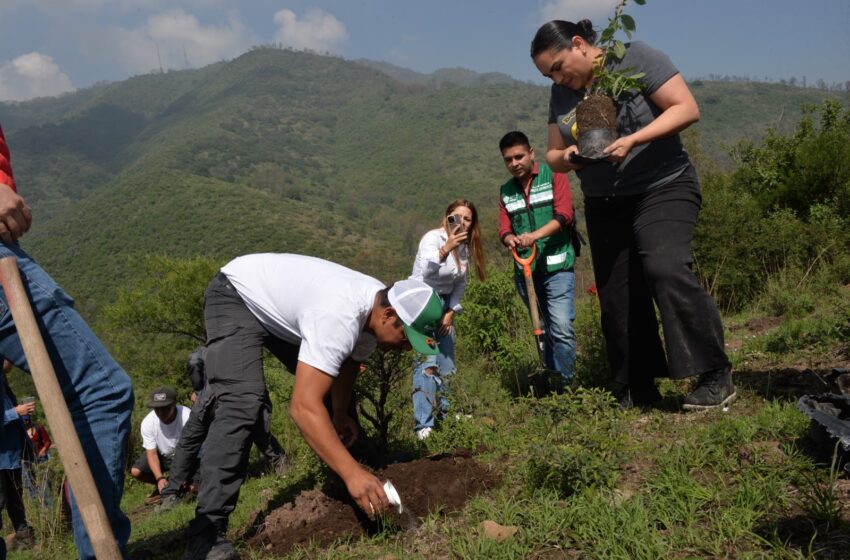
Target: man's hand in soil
<point>310,415</point>
<point>15,215</point>
<point>367,491</point>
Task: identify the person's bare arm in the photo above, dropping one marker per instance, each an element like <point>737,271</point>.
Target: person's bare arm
<point>679,111</point>
<point>156,469</point>
<point>341,391</point>
<point>308,411</point>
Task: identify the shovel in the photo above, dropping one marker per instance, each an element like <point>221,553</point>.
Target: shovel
<point>56,409</point>
<point>539,378</point>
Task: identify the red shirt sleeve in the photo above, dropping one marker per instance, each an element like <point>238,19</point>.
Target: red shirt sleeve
<point>504,220</point>
<point>6,176</point>
<point>45,438</point>
<point>563,203</point>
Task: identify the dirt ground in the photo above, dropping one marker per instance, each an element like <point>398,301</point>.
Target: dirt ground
<point>436,484</point>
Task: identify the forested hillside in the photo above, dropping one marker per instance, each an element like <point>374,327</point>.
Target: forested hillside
<point>289,151</point>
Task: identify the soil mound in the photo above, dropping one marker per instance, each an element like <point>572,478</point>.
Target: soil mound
<point>436,484</point>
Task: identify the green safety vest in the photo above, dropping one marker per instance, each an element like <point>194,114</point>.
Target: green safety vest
<point>556,250</point>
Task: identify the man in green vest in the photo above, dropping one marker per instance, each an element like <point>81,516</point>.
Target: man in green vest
<point>536,207</point>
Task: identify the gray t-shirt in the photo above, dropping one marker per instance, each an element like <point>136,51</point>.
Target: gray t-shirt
<point>647,166</point>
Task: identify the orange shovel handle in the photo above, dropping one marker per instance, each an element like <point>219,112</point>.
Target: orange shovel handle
<point>525,263</point>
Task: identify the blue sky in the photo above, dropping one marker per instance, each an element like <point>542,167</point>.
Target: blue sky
<point>51,46</point>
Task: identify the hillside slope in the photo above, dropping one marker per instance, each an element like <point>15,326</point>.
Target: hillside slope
<point>282,150</point>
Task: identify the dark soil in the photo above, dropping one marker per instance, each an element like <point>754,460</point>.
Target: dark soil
<point>597,125</point>
<point>596,111</point>
<point>787,383</point>
<point>438,484</point>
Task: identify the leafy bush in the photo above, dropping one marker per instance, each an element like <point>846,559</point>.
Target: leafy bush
<point>781,214</point>
<point>155,323</point>
<point>584,447</point>
<point>495,324</point>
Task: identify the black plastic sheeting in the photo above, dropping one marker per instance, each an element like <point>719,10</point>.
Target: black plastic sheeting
<point>830,413</point>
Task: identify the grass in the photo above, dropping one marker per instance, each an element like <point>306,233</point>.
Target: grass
<point>641,484</point>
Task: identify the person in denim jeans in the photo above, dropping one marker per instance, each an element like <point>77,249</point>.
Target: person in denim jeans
<point>97,390</point>
<point>535,209</point>
<point>442,262</point>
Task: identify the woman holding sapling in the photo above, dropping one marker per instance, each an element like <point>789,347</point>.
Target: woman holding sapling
<point>442,262</point>
<point>642,199</point>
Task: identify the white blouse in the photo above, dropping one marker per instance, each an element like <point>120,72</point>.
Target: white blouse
<point>448,278</point>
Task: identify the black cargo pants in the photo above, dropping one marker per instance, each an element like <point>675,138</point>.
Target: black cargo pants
<point>236,401</point>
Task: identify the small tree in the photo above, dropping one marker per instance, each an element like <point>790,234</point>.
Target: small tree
<point>378,383</point>
<point>614,82</point>
<point>596,114</point>
<point>156,322</point>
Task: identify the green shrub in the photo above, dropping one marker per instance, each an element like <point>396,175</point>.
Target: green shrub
<point>591,369</point>
<point>495,324</point>
<point>583,447</point>
<point>780,219</point>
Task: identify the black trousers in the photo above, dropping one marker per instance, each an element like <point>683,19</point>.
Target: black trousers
<point>641,248</point>
<point>185,463</point>
<point>11,497</point>
<point>238,396</point>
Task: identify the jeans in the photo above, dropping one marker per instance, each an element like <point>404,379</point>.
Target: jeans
<point>97,391</point>
<point>556,301</point>
<point>430,383</point>
<point>641,247</point>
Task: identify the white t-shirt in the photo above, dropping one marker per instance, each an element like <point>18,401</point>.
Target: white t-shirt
<point>303,300</point>
<point>448,277</point>
<point>161,436</point>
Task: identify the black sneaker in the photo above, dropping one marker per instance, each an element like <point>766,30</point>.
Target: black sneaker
<point>24,538</point>
<point>202,547</point>
<point>168,502</point>
<point>638,397</point>
<point>222,550</point>
<point>714,389</point>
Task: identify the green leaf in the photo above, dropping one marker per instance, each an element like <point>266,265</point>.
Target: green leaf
<point>619,49</point>
<point>628,22</point>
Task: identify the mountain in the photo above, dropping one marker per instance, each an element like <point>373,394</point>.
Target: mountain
<point>441,78</point>
<point>280,150</point>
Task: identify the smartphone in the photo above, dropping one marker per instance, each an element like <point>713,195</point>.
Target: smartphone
<point>454,222</point>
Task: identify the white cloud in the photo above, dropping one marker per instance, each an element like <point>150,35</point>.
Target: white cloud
<point>32,75</point>
<point>176,37</point>
<point>319,30</point>
<point>597,11</point>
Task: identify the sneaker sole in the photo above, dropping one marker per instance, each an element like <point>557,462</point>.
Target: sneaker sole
<point>724,402</point>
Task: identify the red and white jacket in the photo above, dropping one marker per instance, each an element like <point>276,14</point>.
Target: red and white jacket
<point>6,176</point>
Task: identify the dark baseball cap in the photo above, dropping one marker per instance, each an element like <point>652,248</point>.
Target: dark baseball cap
<point>162,397</point>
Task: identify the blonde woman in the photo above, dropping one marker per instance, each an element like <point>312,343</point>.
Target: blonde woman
<point>442,262</point>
